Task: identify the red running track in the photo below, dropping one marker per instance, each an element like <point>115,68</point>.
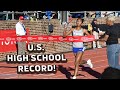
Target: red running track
<point>65,70</point>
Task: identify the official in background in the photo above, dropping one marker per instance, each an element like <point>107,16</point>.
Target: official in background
<point>112,38</point>
<point>21,31</point>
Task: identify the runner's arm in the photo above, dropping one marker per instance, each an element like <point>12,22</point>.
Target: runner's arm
<point>65,34</point>
<point>86,32</point>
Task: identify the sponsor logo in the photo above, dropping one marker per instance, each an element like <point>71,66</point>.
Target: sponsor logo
<point>71,39</point>
<point>50,38</point>
<point>19,38</point>
<point>86,39</point>
<point>61,38</point>
<point>30,38</point>
<point>40,38</point>
<point>8,38</point>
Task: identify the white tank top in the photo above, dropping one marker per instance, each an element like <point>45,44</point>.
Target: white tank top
<point>78,33</point>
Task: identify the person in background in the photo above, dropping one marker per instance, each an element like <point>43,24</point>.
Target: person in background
<point>95,33</point>
<point>92,14</point>
<point>68,25</point>
<point>54,15</point>
<point>110,13</point>
<point>49,14</point>
<point>112,39</point>
<point>21,31</point>
<point>26,17</point>
<point>117,14</point>
<point>31,18</point>
<point>90,28</point>
<point>98,14</point>
<point>103,13</point>
<point>70,19</point>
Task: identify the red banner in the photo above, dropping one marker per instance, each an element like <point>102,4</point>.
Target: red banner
<point>6,46</point>
<point>8,39</point>
<point>47,38</point>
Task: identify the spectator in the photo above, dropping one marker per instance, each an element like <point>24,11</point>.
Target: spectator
<point>98,14</point>
<point>68,25</point>
<point>90,28</point>
<point>70,19</point>
<point>107,13</point>
<point>103,13</point>
<point>54,15</point>
<point>110,13</point>
<point>48,14</point>
<point>31,18</point>
<point>117,14</point>
<point>95,33</point>
<point>92,14</point>
<point>26,17</point>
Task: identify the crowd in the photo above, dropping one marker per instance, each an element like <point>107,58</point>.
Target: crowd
<point>96,14</point>
<point>47,15</point>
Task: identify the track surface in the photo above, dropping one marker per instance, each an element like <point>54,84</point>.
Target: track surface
<point>65,70</point>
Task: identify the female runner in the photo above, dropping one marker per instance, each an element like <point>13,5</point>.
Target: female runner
<point>78,47</point>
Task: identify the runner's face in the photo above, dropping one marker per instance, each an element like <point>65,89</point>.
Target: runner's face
<point>79,22</point>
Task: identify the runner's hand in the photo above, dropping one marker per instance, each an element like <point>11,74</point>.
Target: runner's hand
<point>96,39</point>
<point>64,36</point>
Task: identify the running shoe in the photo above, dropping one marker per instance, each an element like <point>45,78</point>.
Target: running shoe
<point>90,63</point>
<point>74,77</point>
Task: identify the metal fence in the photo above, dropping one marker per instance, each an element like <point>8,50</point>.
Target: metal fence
<point>11,15</point>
